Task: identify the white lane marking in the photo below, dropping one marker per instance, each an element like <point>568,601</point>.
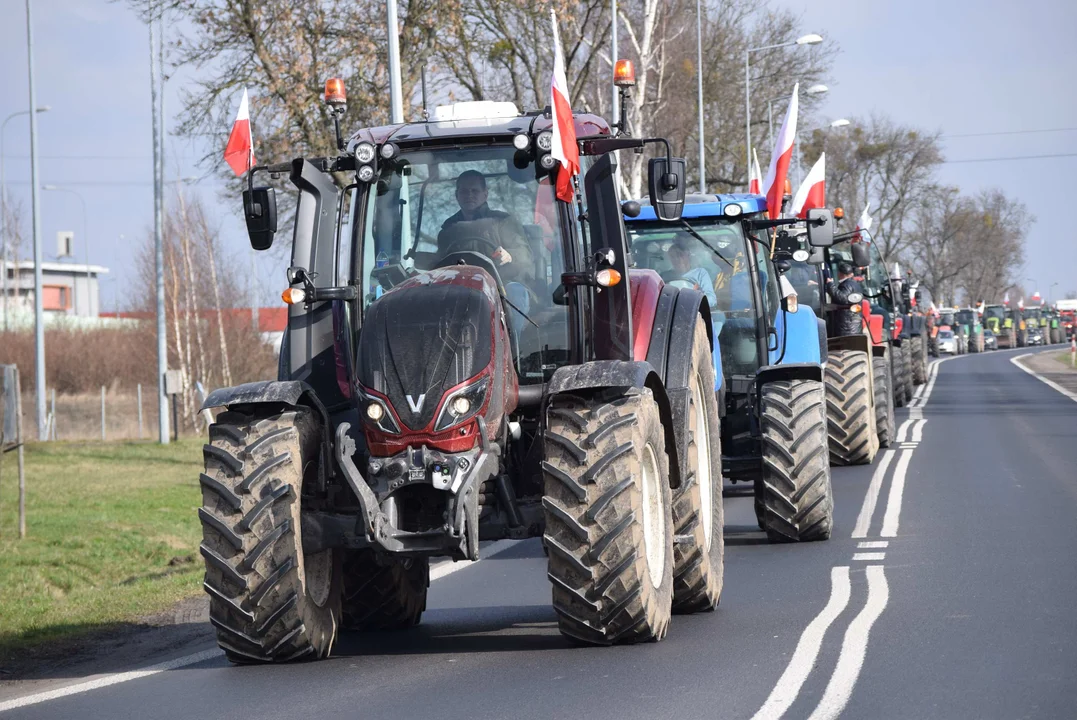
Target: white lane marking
<point>930,385</point>
<point>863,521</point>
<point>1050,383</point>
<point>438,571</point>
<point>903,430</point>
<point>868,556</point>
<point>807,650</point>
<point>918,430</point>
<point>876,544</point>
<point>897,490</point>
<point>106,680</point>
<point>853,648</point>
<point>448,567</point>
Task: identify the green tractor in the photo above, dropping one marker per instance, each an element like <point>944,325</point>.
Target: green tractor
<point>1054,325</point>
<point>969,320</point>
<point>999,320</point>
<point>1037,317</point>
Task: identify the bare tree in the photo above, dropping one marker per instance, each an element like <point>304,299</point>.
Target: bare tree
<point>995,247</point>
<point>941,244</point>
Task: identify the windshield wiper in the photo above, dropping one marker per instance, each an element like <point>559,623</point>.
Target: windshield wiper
<point>692,231</point>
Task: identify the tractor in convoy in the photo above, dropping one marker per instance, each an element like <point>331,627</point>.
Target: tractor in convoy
<point>912,335</point>
<point>948,321</point>
<point>1036,317</point>
<point>469,357</point>
<point>969,321</point>
<point>999,320</point>
<point>1067,318</point>
<point>772,396</point>
<point>858,399</point>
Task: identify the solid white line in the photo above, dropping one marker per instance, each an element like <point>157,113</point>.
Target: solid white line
<point>811,640</point>
<point>106,680</point>
<point>863,521</point>
<point>1071,395</point>
<point>897,490</point>
<point>868,556</point>
<point>853,648</point>
<point>903,430</point>
<point>438,571</point>
<point>876,544</point>
<point>918,430</point>
<point>448,567</point>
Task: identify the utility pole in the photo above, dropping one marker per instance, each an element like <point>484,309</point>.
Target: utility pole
<point>395,94</point>
<point>158,241</point>
<point>39,308</point>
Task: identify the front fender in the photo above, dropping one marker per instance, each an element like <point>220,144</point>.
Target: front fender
<point>798,335</point>
<point>624,375</point>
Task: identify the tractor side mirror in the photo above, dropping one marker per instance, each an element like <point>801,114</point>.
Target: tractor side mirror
<point>260,212</point>
<point>667,186</point>
<point>782,266</point>
<point>820,228</point>
<point>861,255</point>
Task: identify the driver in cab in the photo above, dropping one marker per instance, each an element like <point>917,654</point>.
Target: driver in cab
<point>479,228</point>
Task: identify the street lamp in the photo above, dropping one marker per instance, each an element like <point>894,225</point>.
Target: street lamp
<point>1052,287</point>
<point>86,234</point>
<point>811,39</point>
<point>3,206</point>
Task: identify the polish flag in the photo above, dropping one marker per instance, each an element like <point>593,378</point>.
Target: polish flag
<point>1037,298</point>
<point>1006,299</point>
<point>812,192</point>
<point>755,176</point>
<point>239,152</point>
<point>774,184</point>
<point>565,149</point>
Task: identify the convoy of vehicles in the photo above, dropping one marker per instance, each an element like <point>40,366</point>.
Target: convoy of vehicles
<point>470,357</point>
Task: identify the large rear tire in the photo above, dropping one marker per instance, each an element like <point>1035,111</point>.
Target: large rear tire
<point>383,593</point>
<point>269,601</point>
<point>851,431</point>
<point>898,374</point>
<point>608,518</point>
<point>907,381</point>
<point>885,423</point>
<point>698,514</point>
<point>919,365</point>
<point>798,503</point>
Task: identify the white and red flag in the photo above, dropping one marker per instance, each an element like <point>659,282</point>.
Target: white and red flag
<point>1037,298</point>
<point>1006,299</point>
<point>1021,303</point>
<point>812,192</point>
<point>239,152</point>
<point>755,176</point>
<point>565,149</point>
<point>864,223</point>
<point>774,184</point>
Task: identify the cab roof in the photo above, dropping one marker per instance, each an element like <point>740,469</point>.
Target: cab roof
<point>698,205</point>
<point>474,122</point>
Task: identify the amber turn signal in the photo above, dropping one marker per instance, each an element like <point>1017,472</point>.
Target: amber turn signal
<point>608,277</point>
<point>624,73</point>
<point>293,296</point>
<point>334,92</point>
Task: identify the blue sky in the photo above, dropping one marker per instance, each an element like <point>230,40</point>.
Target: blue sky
<point>959,67</point>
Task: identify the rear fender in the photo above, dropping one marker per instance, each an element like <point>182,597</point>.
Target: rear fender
<point>623,376</point>
<point>788,371</point>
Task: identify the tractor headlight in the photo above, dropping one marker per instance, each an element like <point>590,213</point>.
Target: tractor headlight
<point>462,404</point>
<point>547,161</point>
<point>364,152</point>
<point>544,141</point>
<point>856,298</point>
<point>521,142</point>
<point>365,173</point>
<point>376,412</point>
<point>732,210</point>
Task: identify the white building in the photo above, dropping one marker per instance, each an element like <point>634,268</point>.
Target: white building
<point>68,290</point>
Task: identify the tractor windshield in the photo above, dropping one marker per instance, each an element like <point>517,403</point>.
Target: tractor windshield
<point>966,317</point>
<point>995,311</point>
<point>482,205</point>
<point>710,254</point>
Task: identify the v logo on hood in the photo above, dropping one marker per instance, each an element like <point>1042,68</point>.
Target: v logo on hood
<point>416,405</point>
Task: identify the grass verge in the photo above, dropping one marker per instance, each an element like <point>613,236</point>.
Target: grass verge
<point>112,535</point>
<point>1064,358</point>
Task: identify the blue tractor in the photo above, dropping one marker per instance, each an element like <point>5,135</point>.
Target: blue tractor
<point>769,355</point>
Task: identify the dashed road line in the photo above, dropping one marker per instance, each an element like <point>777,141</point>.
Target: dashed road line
<point>863,521</point>
<point>873,544</point>
<point>863,557</point>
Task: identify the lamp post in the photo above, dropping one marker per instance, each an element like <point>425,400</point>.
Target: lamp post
<point>86,234</point>
<point>1049,289</point>
<point>811,39</point>
<point>3,210</point>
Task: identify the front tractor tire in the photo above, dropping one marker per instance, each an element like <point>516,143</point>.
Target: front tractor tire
<point>698,515</point>
<point>269,601</point>
<point>794,498</point>
<point>919,360</point>
<point>609,525</point>
<point>852,434</point>
<point>899,375</point>
<point>885,423</point>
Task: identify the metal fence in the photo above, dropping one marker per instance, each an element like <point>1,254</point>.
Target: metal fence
<point>11,436</point>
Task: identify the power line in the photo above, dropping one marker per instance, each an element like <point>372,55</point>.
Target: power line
<point>1015,157</point>
<point>1009,132</point>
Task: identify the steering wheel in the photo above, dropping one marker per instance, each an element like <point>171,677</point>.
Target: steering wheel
<point>470,257</point>
<point>471,239</point>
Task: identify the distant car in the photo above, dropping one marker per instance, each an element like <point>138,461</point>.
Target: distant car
<point>990,341</point>
<point>946,341</point>
<point>1035,336</point>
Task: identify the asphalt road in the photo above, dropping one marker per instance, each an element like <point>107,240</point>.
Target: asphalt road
<point>947,591</point>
